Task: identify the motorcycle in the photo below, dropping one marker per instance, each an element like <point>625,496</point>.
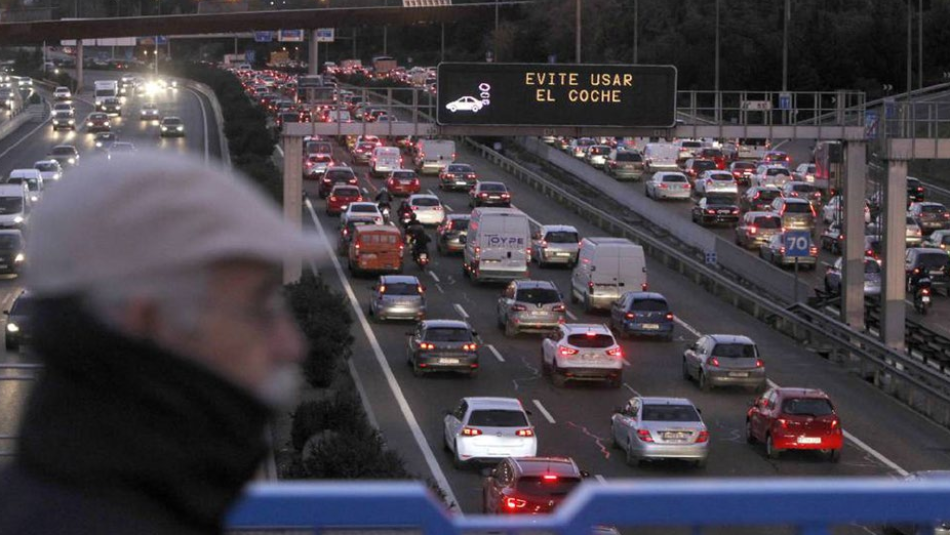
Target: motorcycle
<point>385,210</point>
<point>922,296</point>
<point>421,258</point>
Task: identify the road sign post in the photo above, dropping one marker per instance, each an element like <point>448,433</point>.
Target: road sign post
<point>797,245</point>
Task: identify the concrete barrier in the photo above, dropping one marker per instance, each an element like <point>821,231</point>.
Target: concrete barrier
<point>9,126</point>
<point>218,117</point>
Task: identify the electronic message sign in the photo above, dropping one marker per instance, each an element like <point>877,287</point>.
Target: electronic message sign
<point>516,94</point>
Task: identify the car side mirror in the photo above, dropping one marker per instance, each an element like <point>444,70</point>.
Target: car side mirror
<point>475,334</point>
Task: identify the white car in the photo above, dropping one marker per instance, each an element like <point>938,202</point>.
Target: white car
<point>771,175</point>
<point>805,172</point>
<point>716,182</point>
<point>667,185</point>
<point>49,170</point>
<point>62,93</point>
<point>428,208</point>
<point>582,352</point>
<point>149,112</point>
<point>488,429</point>
<point>471,104</point>
<point>834,210</point>
<point>361,210</point>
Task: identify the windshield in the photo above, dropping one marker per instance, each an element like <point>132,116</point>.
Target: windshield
<point>768,222</point>
<point>11,205</point>
<point>768,194</point>
<point>649,305</point>
<point>591,340</point>
<point>872,268</point>
<point>670,413</point>
<point>46,167</point>
<point>674,178</point>
<point>448,334</point>
<point>9,241</point>
<point>776,171</point>
<point>721,176</point>
<point>626,156</point>
<point>425,201</point>
<point>172,121</point>
<point>936,260</point>
<point>497,418</point>
<point>22,306</point>
<point>345,192</point>
<point>804,188</point>
<point>798,207</point>
<point>31,183</point>
<point>808,406</point>
<point>743,165</point>
<point>734,351</point>
<point>691,144</point>
<point>720,199</point>
<point>364,208</point>
<point>459,169</point>
<point>538,296</point>
<point>339,175</point>
<point>561,236</point>
<point>460,224</point>
<point>933,209</point>
<point>712,153</point>
<point>704,164</point>
<point>404,175</point>
<point>537,486</point>
<point>401,288</point>
<point>489,186</point>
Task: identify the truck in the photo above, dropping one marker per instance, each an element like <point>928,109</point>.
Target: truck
<point>433,155</point>
<point>828,157</point>
<point>383,65</point>
<point>233,60</point>
<point>105,89</point>
<point>351,65</point>
<point>496,247</point>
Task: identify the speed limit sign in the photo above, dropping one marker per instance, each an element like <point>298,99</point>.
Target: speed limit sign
<point>797,243</point>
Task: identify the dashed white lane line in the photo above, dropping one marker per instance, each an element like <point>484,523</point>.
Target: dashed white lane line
<point>461,310</point>
<point>280,150</point>
<point>401,400</point>
<point>531,219</point>
<point>448,208</point>
<point>434,276</point>
<point>544,412</point>
<point>600,479</point>
<point>430,192</point>
<point>496,353</point>
<point>687,326</point>
<point>571,315</point>
<point>366,191</point>
<point>626,362</point>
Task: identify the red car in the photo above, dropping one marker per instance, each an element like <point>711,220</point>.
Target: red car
<point>795,419</point>
<point>715,155</point>
<point>403,182</point>
<point>529,485</point>
<point>340,197</point>
<point>742,172</point>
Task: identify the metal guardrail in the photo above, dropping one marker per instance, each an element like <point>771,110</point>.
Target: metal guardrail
<point>926,345</point>
<point>902,376</point>
<point>774,107</point>
<point>810,506</point>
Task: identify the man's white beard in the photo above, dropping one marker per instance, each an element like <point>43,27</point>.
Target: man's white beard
<point>282,389</point>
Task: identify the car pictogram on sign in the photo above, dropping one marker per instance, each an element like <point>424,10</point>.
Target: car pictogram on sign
<point>465,104</point>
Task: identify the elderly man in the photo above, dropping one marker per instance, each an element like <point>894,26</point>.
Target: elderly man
<point>160,320</point>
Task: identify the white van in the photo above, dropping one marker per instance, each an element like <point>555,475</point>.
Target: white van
<point>105,89</point>
<point>606,268</point>
<point>496,247</point>
<point>33,180</point>
<point>15,205</point>
<point>384,160</point>
<point>432,155</point>
<point>660,157</point>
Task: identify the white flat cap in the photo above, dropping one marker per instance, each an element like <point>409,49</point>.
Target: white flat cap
<point>152,214</point>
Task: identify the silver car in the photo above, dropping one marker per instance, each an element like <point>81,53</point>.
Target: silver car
<point>872,277</point>
<point>398,297</point>
<point>668,185</point>
<point>648,428</point>
<point>555,244</point>
<point>528,305</point>
<point>428,209</point>
<point>724,360</point>
<point>597,155</point>
<point>716,182</point>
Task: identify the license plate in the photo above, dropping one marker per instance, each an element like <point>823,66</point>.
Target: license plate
<point>738,374</point>
<point>562,254</point>
<point>651,326</point>
<point>405,182</point>
<point>460,183</point>
<point>675,435</point>
<point>448,361</point>
<point>925,299</point>
<point>721,212</point>
<point>538,312</point>
<point>591,356</point>
<point>369,256</point>
<point>809,440</point>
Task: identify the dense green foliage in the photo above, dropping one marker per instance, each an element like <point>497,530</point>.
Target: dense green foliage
<point>325,321</point>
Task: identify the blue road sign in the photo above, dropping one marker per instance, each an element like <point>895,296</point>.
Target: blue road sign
<point>161,40</point>
<point>785,101</point>
<point>263,37</point>
<point>797,243</point>
<point>870,124</point>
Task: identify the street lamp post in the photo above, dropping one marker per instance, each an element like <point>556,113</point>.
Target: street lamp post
<point>636,31</point>
<point>787,15</point>
<point>577,44</point>
<point>920,44</point>
<point>717,63</point>
<point>910,41</point>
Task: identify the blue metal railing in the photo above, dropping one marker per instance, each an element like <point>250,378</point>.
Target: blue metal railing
<point>812,505</point>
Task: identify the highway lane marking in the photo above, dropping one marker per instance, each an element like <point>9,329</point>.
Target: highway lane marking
<point>434,276</point>
<point>366,190</point>
<point>407,413</point>
<point>571,315</point>
<point>531,219</point>
<point>600,479</point>
<point>544,412</point>
<point>626,362</point>
<point>496,353</point>
<point>687,326</point>
<point>461,310</point>
<point>279,150</point>
<point>24,138</point>
<point>449,208</point>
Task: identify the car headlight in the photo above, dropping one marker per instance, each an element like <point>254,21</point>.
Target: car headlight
<point>34,198</point>
<point>72,160</point>
<point>12,328</point>
<point>98,144</point>
<point>89,123</point>
<point>180,128</point>
<point>18,219</point>
<point>164,128</point>
<point>19,258</point>
<point>72,121</point>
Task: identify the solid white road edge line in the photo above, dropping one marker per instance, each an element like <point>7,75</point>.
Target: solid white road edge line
<point>24,138</point>
<point>387,370</point>
<point>544,412</point>
<point>687,326</point>
<point>496,353</point>
<point>461,311</point>
<point>600,479</point>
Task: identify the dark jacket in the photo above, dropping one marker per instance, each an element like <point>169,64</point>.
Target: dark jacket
<point>122,437</point>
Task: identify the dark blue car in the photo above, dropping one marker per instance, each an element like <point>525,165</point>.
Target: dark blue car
<point>642,314</point>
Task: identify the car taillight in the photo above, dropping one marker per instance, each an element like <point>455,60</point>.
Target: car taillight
<point>669,316</point>
<point>559,308</point>
<point>469,347</point>
<point>426,345</point>
<point>714,362</point>
<point>483,194</point>
<point>630,315</point>
<point>590,288</point>
<point>702,437</point>
<point>710,211</point>
<point>644,435</point>
<point>759,363</point>
<point>615,352</point>
<point>813,251</point>
<point>471,431</point>
<point>925,291</point>
<point>835,425</point>
<point>565,351</point>
<point>332,198</point>
<point>515,503</point>
<point>525,432</point>
<point>519,308</point>
<point>664,186</point>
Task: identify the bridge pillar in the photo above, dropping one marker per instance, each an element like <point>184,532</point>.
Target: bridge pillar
<point>852,284</point>
<point>314,59</point>
<point>293,194</point>
<point>79,68</point>
<point>893,307</point>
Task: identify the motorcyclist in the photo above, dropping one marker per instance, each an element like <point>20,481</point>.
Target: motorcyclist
<point>384,198</point>
<point>405,213</point>
<point>417,234</point>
